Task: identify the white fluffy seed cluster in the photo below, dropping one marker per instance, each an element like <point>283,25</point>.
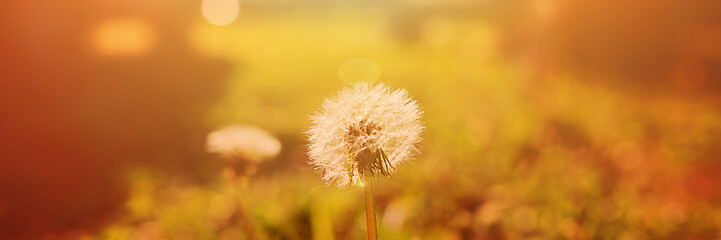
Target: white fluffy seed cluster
<point>361,118</point>
<point>248,142</point>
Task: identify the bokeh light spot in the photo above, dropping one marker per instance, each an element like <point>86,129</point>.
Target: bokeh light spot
<point>359,69</point>
<point>123,37</point>
<point>220,12</point>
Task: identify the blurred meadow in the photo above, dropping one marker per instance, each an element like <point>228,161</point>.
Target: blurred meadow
<point>545,119</point>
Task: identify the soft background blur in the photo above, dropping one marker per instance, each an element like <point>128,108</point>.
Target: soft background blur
<point>546,119</point>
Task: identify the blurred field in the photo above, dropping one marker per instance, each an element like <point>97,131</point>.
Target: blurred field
<point>519,144</point>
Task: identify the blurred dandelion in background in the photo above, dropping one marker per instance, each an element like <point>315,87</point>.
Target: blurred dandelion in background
<point>242,148</point>
<point>240,141</point>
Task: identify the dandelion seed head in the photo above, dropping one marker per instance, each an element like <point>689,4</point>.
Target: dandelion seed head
<point>366,121</point>
<point>247,142</point>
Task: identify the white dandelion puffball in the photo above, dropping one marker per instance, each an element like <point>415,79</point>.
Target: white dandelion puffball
<point>364,130</point>
<point>243,141</point>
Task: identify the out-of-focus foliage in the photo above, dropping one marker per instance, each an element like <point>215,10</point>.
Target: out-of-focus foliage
<point>507,155</point>
<point>546,119</point>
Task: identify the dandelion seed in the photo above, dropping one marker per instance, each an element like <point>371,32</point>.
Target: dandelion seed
<point>363,131</point>
<point>249,143</point>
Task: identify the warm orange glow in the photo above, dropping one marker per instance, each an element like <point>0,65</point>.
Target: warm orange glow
<point>123,37</point>
<point>220,12</point>
<point>689,73</point>
<point>529,119</point>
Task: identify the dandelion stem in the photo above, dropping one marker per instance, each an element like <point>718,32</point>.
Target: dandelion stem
<point>237,181</point>
<point>246,222</point>
<point>370,209</point>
